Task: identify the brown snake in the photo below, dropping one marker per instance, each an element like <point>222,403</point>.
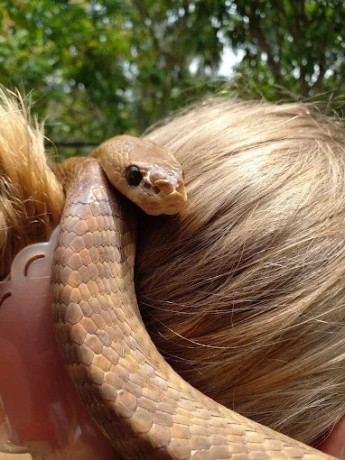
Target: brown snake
<point>140,403</point>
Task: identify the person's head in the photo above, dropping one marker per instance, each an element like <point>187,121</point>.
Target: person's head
<point>244,293</point>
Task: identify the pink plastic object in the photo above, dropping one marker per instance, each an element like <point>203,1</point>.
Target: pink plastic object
<point>41,409</point>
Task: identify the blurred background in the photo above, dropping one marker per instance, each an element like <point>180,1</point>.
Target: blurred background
<point>93,69</point>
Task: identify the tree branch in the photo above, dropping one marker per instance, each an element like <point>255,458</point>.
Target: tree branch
<point>254,24</point>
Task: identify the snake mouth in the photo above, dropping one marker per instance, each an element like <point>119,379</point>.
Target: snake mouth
<point>168,206</point>
<point>174,203</point>
<point>152,210</point>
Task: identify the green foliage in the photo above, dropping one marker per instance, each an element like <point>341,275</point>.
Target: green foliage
<point>291,47</point>
<point>98,68</point>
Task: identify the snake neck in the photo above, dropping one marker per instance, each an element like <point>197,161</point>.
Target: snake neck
<point>94,209</point>
<point>69,170</point>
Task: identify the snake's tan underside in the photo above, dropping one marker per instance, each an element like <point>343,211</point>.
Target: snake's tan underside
<point>142,405</point>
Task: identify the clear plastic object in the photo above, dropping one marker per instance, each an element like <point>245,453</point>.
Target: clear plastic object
<point>40,411</point>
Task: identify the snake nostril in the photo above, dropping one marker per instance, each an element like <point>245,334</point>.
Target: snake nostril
<point>150,188</point>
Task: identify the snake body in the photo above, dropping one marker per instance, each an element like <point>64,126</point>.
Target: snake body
<point>139,402</point>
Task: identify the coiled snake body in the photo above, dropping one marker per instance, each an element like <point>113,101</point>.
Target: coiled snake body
<point>141,404</point>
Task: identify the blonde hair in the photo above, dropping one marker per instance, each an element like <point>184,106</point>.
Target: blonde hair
<point>244,293</point>
<point>31,199</point>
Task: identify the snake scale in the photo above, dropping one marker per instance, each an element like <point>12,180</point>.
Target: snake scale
<point>139,402</point>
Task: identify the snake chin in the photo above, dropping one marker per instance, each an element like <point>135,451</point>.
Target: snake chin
<point>168,205</point>
<point>152,211</point>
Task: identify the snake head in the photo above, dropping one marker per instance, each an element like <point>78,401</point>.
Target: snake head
<point>144,172</point>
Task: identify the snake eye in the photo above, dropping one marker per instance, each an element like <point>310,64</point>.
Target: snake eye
<point>133,176</point>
